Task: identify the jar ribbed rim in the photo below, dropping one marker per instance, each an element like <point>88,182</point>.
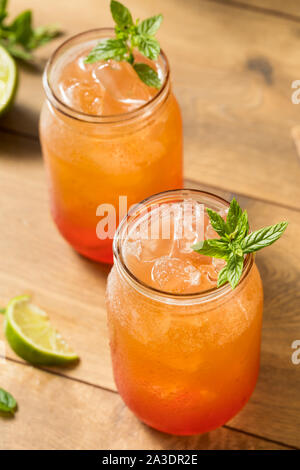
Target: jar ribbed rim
<point>92,118</point>
<point>208,295</point>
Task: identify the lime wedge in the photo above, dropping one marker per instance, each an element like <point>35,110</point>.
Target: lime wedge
<point>31,336</point>
<point>8,80</point>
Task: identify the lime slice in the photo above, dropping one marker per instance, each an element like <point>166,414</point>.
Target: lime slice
<point>31,336</point>
<point>8,80</point>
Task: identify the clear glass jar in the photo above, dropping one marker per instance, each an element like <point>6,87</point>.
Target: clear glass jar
<point>183,363</point>
<point>92,160</point>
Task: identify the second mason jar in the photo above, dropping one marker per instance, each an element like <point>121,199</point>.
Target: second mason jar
<point>186,361</point>
<point>93,158</point>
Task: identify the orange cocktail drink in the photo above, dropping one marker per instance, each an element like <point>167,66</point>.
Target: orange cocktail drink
<point>105,134</point>
<point>185,353</point>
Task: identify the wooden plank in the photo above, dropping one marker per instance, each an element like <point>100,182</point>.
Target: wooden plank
<point>233,85</point>
<point>56,413</point>
<point>287,8</point>
<point>34,258</point>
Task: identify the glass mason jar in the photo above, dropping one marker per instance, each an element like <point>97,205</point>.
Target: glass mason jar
<point>91,160</point>
<point>183,363</point>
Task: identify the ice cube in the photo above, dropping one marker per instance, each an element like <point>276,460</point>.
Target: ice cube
<point>218,264</point>
<point>101,88</point>
<point>133,248</point>
<point>123,88</point>
<point>192,226</point>
<point>209,276</point>
<point>154,234</point>
<point>210,233</point>
<point>149,250</point>
<point>188,227</point>
<point>175,275</point>
<point>83,95</point>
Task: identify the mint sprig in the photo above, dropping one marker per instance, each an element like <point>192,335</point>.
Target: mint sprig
<point>235,241</point>
<point>19,37</point>
<point>7,402</point>
<point>131,35</point>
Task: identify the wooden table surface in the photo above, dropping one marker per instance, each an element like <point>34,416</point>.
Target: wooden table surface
<point>232,63</point>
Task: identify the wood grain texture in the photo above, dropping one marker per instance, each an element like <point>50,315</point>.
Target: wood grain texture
<point>288,9</point>
<point>34,258</point>
<point>56,413</point>
<point>233,84</point>
<point>234,88</point>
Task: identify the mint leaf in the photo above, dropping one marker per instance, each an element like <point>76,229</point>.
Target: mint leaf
<point>151,25</point>
<point>42,35</point>
<point>148,46</point>
<point>2,311</point>
<point>3,4</point>
<point>17,51</point>
<point>236,249</point>
<point>213,248</point>
<point>21,27</point>
<point>7,402</point>
<point>222,277</point>
<point>3,12</point>
<point>107,49</point>
<point>233,216</point>
<point>242,227</point>
<point>147,74</point>
<point>234,269</point>
<point>217,222</point>
<point>120,14</point>
<point>264,237</point>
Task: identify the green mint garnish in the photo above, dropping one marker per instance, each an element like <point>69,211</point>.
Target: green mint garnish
<point>19,37</point>
<point>147,75</point>
<point>7,402</point>
<point>131,35</point>
<point>235,241</point>
<point>2,311</point>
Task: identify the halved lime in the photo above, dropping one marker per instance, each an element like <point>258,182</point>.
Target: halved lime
<point>8,80</point>
<point>32,337</point>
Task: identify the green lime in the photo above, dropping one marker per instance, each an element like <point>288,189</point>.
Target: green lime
<point>32,337</point>
<point>8,80</point>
